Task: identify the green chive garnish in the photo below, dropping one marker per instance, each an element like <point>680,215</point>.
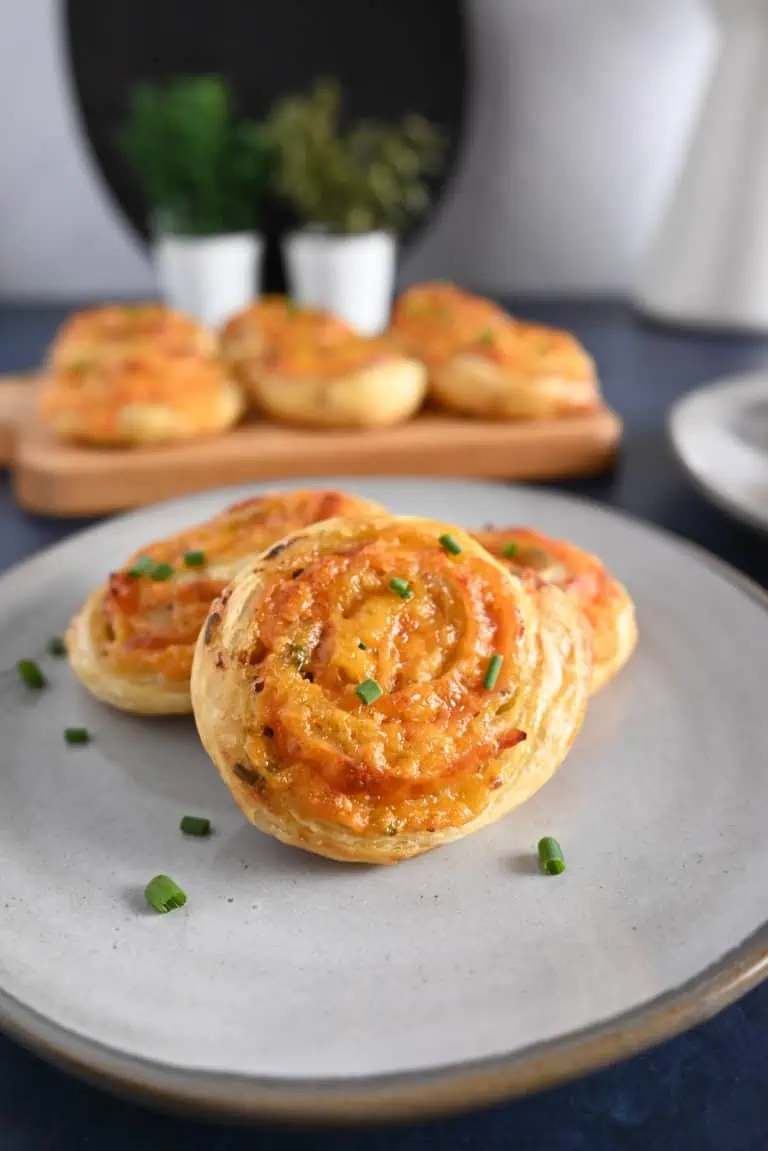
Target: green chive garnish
<point>510,550</point>
<point>401,587</point>
<point>551,858</point>
<point>141,567</point>
<point>492,674</point>
<point>30,674</point>
<point>77,735</point>
<point>362,646</point>
<point>194,559</point>
<point>56,646</point>
<point>450,544</point>
<point>195,825</point>
<point>164,895</point>
<point>368,691</point>
<point>299,653</point>
<point>485,337</point>
<point>161,572</point>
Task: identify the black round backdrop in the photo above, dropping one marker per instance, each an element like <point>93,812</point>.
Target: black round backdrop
<point>391,57</point>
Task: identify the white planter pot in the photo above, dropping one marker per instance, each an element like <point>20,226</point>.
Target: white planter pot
<point>352,276</point>
<point>708,265</point>
<point>209,277</point>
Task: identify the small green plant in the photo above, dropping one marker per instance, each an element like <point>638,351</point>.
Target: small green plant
<point>372,177</point>
<point>202,170</point>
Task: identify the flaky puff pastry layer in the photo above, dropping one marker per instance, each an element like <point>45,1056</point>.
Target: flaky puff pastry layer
<point>132,642</point>
<point>115,331</point>
<point>584,578</point>
<point>146,398</point>
<point>437,755</point>
<point>305,366</point>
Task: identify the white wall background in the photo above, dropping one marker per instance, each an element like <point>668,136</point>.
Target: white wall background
<point>578,118</point>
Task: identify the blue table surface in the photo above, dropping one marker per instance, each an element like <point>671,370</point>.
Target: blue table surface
<point>704,1091</point>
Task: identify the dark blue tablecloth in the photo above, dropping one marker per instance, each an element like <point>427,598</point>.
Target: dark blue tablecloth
<point>705,1091</point>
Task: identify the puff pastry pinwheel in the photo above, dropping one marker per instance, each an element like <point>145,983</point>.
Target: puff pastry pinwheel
<point>148,397</point>
<point>114,331</point>
<point>604,601</point>
<point>305,366</point>
<point>520,371</point>
<point>371,692</point>
<point>131,644</point>
<point>485,363</point>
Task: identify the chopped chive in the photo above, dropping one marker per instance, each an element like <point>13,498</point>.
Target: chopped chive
<point>30,673</point>
<point>77,735</point>
<point>551,858</point>
<point>194,559</point>
<point>299,654</point>
<point>161,572</point>
<point>492,673</point>
<point>195,825</point>
<point>368,691</point>
<point>401,587</point>
<point>450,544</point>
<point>56,646</point>
<point>142,566</point>
<point>510,550</point>
<point>164,895</point>
<point>362,646</point>
<point>485,337</point>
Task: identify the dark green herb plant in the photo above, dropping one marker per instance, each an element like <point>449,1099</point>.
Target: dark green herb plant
<point>373,176</point>
<point>203,170</point>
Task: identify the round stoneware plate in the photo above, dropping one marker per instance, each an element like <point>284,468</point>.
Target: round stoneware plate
<point>720,435</point>
<point>293,987</point>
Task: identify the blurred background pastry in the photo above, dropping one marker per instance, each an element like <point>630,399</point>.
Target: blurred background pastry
<point>114,331</point>
<point>140,398</point>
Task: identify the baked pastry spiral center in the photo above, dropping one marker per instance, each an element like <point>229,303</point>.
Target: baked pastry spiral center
<point>392,608</point>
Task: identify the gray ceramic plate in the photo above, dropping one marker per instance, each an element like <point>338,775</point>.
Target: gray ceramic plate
<point>720,435</point>
<point>293,987</point>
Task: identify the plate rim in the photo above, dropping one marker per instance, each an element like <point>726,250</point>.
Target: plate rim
<point>713,493</point>
<point>415,1094</point>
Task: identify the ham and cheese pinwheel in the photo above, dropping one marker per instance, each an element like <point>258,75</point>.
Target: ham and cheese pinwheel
<point>145,397</point>
<point>131,644</point>
<point>381,687</point>
<point>483,362</point>
<point>305,366</point>
<point>605,603</point>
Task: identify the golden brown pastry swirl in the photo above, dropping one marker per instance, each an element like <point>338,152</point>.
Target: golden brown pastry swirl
<point>341,686</point>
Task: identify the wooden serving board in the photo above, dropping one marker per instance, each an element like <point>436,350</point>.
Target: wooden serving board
<point>65,480</point>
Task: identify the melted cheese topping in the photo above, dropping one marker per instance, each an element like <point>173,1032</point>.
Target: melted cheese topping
<point>285,339</point>
<point>114,331</point>
<point>435,321</point>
